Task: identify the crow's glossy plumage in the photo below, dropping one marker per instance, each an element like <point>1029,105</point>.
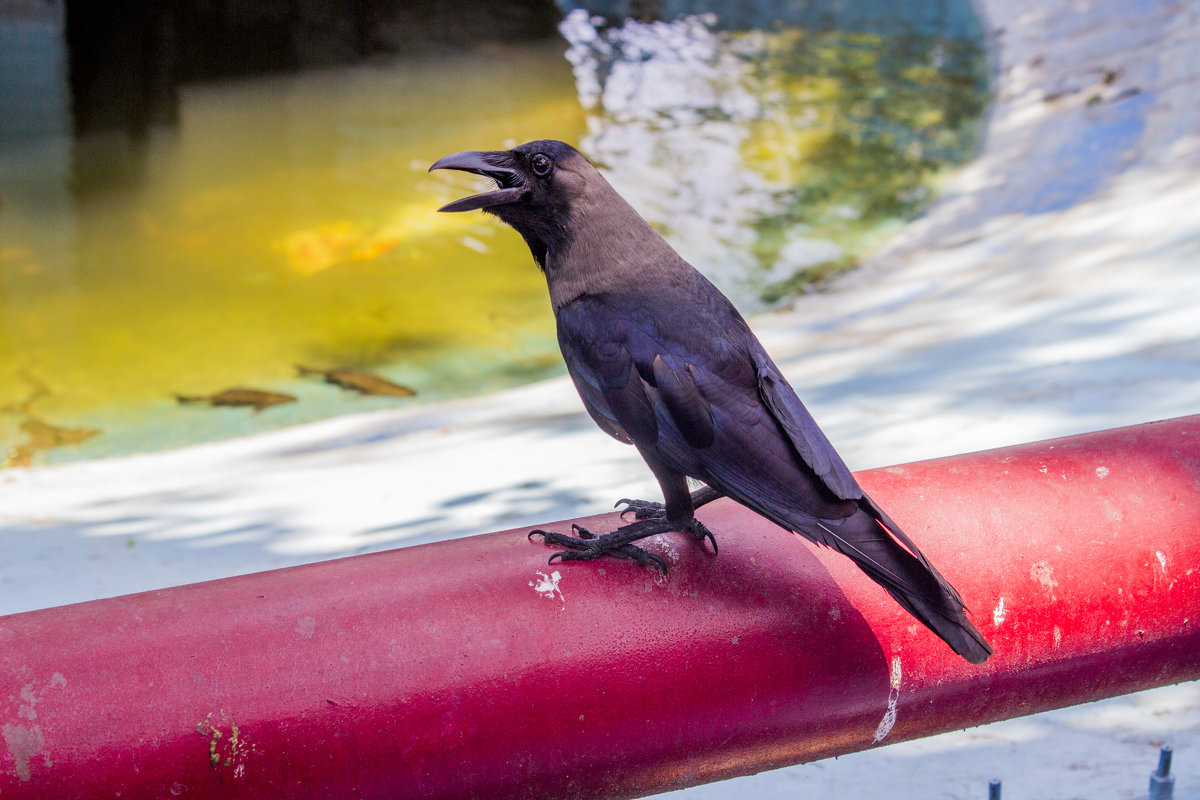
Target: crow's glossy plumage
<point>663,361</point>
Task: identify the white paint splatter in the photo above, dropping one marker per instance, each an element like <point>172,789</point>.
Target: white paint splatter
<point>30,697</point>
<point>999,613</point>
<point>669,550</point>
<point>889,716</point>
<point>1101,472</point>
<point>23,744</point>
<point>1162,560</point>
<point>1043,573</point>
<point>547,586</point>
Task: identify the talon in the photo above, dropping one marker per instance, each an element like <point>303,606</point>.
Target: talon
<point>642,509</point>
<point>536,532</point>
<point>624,501</point>
<point>643,558</point>
<point>657,559</point>
<point>702,533</point>
<point>581,532</point>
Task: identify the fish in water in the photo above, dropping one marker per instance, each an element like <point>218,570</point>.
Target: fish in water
<point>239,397</point>
<point>361,382</point>
<point>43,435</point>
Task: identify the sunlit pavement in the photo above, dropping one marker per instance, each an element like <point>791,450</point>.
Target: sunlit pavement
<point>1052,289</point>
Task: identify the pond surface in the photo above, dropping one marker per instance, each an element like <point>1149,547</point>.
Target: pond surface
<point>289,220</point>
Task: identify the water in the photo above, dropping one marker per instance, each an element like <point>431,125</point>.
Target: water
<point>290,219</point>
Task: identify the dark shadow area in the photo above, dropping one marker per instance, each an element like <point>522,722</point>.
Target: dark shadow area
<point>127,58</point>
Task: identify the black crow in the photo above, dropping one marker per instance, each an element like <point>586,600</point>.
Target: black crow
<point>663,361</point>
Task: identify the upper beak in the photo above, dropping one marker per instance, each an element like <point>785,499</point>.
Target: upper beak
<point>490,165</point>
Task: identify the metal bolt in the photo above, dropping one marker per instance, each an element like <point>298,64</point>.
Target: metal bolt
<point>1162,783</point>
<point>994,789</point>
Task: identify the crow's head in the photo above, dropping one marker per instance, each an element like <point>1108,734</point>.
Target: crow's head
<point>537,186</point>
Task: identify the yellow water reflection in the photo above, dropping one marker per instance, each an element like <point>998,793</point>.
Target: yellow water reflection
<point>285,220</point>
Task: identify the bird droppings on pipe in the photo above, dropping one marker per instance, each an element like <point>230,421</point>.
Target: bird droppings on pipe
<point>999,613</point>
<point>889,716</point>
<point>1162,560</point>
<point>1101,472</point>
<point>547,586</point>
<point>1043,573</point>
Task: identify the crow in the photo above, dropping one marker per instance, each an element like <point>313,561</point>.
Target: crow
<point>663,361</point>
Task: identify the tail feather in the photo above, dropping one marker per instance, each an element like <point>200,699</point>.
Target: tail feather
<point>881,549</point>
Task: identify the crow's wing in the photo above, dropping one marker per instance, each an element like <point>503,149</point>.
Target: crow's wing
<point>597,357</point>
<point>810,442</point>
<point>712,403</point>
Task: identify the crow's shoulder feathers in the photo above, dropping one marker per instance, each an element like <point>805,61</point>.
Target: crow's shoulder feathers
<point>651,368</point>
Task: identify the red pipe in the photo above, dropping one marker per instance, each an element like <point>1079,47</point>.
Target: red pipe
<point>471,668</point>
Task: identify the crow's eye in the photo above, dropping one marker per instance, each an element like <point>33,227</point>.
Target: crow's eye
<point>541,165</point>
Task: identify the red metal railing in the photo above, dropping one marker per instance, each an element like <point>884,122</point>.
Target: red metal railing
<point>471,668</point>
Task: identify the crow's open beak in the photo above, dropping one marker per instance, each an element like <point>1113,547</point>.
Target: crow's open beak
<point>509,185</point>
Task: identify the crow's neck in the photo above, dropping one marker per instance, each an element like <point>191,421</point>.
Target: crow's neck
<point>610,248</point>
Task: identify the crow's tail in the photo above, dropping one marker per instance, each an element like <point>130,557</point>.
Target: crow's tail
<point>882,550</point>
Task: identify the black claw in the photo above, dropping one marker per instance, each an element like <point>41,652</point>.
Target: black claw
<point>644,558</point>
<point>642,509</point>
<point>536,532</point>
<point>581,532</point>
<point>575,555</point>
<point>701,532</point>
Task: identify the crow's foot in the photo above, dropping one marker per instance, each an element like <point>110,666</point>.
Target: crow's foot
<point>648,509</point>
<point>585,545</point>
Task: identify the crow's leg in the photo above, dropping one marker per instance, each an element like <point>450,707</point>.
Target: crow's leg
<point>586,545</point>
<point>648,509</point>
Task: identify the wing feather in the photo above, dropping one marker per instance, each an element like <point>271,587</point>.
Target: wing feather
<point>810,442</point>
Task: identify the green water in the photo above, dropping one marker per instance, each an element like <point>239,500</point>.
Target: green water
<point>290,220</point>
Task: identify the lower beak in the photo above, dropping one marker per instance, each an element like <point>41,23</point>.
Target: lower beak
<point>489,165</point>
